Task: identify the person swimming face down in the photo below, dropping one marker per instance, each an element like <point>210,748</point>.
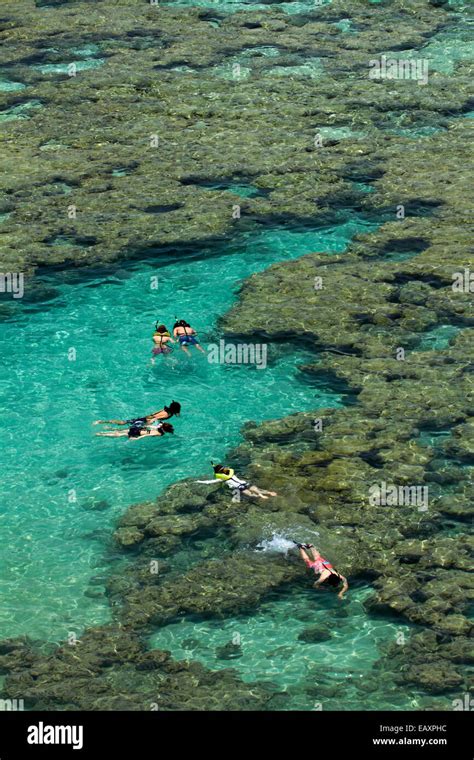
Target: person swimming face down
<point>236,484</point>
<point>138,432</point>
<point>174,409</point>
<point>181,323</point>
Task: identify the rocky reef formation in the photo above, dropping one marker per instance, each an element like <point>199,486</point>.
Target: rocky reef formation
<point>138,148</point>
<point>109,669</point>
<point>370,315</point>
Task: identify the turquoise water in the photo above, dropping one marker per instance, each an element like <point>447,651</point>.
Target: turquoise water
<point>442,51</point>
<point>416,132</point>
<point>438,338</point>
<point>82,58</point>
<point>231,6</point>
<point>7,85</point>
<point>268,648</point>
<point>62,488</point>
<point>21,111</point>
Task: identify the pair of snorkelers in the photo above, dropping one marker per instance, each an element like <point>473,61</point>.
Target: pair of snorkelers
<point>182,332</point>
<point>141,427</point>
<point>329,577</point>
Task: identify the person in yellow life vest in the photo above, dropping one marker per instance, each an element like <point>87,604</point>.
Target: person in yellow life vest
<point>236,484</point>
<point>161,339</point>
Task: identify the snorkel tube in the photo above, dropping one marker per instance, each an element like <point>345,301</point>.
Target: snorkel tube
<point>164,332</point>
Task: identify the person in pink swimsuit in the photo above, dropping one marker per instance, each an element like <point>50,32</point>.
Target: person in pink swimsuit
<point>328,574</point>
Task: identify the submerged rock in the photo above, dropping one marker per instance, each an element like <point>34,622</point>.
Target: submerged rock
<point>391,290</point>
<point>315,634</point>
<point>229,651</point>
<point>109,669</point>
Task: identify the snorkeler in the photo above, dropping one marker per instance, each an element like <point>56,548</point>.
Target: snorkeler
<point>166,413</point>
<point>237,485</point>
<point>328,574</point>
<point>186,335</point>
<point>161,337</point>
<point>140,431</point>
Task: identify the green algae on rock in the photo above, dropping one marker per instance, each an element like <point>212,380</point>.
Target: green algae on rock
<point>136,180</point>
<point>109,669</point>
<point>205,126</point>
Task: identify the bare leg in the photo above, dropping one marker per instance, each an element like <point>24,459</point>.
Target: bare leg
<point>260,492</point>
<point>253,494</point>
<point>110,422</point>
<point>305,557</point>
<point>186,351</point>
<point>200,348</point>
<point>114,434</point>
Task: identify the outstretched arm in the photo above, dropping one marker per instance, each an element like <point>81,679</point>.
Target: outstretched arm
<point>113,434</point>
<point>325,574</point>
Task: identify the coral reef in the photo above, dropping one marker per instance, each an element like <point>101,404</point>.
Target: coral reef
<point>118,160</point>
<point>135,195</point>
<point>109,669</point>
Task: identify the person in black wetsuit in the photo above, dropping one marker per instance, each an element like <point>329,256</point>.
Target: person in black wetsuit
<point>140,431</point>
<point>166,413</point>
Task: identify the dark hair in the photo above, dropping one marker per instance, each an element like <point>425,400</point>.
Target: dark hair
<point>333,580</point>
<point>135,431</point>
<point>167,428</point>
<point>173,408</point>
<point>161,328</point>
<point>181,323</point>
<point>219,468</point>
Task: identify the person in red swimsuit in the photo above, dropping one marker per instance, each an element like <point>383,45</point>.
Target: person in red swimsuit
<point>328,574</point>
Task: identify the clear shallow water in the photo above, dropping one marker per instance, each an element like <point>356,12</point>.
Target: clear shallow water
<point>82,59</point>
<point>54,545</point>
<point>443,50</point>
<point>8,85</point>
<point>20,111</point>
<point>231,6</point>
<point>438,338</point>
<point>62,488</point>
<point>271,651</point>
